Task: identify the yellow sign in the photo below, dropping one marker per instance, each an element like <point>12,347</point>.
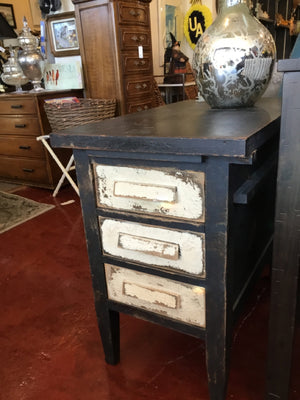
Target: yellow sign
<point>196,21</point>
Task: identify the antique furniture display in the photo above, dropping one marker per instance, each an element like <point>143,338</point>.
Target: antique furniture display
<point>178,207</point>
<point>22,158</point>
<point>275,15</point>
<point>69,114</point>
<point>183,86</point>
<point>286,253</point>
<point>174,90</point>
<point>116,50</point>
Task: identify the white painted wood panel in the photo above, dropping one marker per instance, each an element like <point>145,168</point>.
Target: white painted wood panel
<point>154,246</point>
<point>149,246</point>
<point>163,192</point>
<point>177,300</point>
<point>146,192</point>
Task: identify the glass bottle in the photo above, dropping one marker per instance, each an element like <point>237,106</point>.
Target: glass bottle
<point>30,58</point>
<point>234,58</point>
<point>12,72</point>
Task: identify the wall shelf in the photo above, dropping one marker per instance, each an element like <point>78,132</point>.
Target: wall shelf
<point>280,32</point>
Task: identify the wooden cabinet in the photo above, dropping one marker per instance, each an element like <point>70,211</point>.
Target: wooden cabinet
<point>178,215</point>
<point>116,51</point>
<point>22,158</point>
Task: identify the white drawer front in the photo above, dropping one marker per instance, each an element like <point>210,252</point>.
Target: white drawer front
<point>163,296</point>
<point>167,192</point>
<point>155,246</point>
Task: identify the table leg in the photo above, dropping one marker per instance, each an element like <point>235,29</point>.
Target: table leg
<point>217,363</point>
<point>109,327</point>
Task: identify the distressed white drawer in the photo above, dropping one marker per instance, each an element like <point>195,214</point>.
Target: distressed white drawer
<point>177,300</point>
<point>154,246</point>
<point>163,192</point>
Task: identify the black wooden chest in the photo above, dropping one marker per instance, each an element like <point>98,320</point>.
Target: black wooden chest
<point>178,207</point>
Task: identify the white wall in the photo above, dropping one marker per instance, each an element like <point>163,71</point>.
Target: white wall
<point>28,7</point>
<point>158,40</point>
<point>66,5</point>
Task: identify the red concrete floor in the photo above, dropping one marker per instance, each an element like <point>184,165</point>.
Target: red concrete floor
<point>49,340</point>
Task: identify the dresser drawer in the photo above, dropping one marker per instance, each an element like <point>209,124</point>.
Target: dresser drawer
<point>131,38</point>
<point>176,300</point>
<point>29,170</point>
<point>133,13</point>
<point>21,125</point>
<point>138,105</point>
<point>138,86</point>
<point>132,64</point>
<point>21,146</point>
<point>166,192</point>
<point>158,247</point>
<point>17,106</point>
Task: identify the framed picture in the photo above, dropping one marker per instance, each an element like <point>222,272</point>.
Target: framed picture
<point>170,19</point>
<point>62,34</point>
<point>8,12</point>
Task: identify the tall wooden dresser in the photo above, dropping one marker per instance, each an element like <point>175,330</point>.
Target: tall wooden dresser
<point>22,158</point>
<point>178,207</point>
<point>116,51</point>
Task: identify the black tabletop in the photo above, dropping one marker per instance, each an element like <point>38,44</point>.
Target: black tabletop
<point>186,127</point>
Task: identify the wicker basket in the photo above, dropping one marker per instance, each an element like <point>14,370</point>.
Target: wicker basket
<point>67,115</point>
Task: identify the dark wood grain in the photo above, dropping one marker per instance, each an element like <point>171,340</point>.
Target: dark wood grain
<point>109,33</point>
<point>181,128</point>
<point>23,160</point>
<point>286,252</point>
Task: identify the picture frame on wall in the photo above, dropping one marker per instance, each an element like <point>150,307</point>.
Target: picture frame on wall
<point>170,19</point>
<point>7,11</point>
<point>62,34</point>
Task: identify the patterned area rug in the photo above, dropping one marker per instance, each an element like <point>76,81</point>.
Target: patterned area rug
<point>14,210</point>
<point>9,187</point>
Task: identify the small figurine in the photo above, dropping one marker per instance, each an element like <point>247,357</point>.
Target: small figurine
<point>260,13</point>
<point>177,63</point>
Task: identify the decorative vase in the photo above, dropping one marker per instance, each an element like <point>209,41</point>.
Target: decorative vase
<point>12,72</point>
<point>233,59</point>
<point>30,58</point>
